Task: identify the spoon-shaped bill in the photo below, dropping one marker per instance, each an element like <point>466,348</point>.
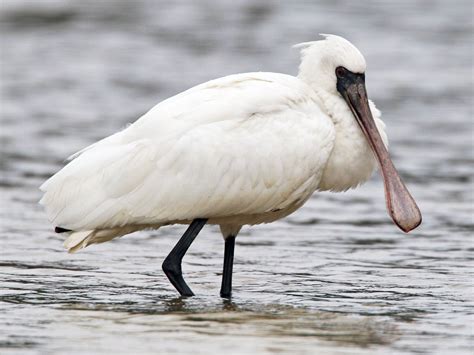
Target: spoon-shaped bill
<point>400,204</point>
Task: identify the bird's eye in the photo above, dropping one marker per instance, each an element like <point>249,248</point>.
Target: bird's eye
<point>341,72</point>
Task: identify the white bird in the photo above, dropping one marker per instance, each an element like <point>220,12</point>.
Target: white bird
<point>239,150</point>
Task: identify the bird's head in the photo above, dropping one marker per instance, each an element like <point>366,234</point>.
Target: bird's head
<point>320,59</point>
<point>335,66</point>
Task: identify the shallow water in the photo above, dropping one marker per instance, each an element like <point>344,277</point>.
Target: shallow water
<point>337,277</point>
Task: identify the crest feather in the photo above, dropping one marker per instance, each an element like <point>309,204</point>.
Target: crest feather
<point>303,45</point>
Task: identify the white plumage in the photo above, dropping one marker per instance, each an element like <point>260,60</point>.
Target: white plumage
<point>244,149</point>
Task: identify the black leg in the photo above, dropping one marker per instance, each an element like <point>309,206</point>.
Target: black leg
<point>172,264</point>
<point>226,287</point>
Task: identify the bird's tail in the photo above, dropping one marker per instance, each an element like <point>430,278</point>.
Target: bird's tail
<point>81,239</point>
<point>78,240</point>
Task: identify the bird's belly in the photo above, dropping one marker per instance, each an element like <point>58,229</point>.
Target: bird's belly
<point>243,219</point>
<point>259,218</point>
<point>293,202</point>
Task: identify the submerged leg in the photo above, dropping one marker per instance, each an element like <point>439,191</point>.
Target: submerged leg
<point>172,264</point>
<point>226,287</point>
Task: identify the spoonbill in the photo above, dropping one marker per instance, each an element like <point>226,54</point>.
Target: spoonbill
<point>239,150</point>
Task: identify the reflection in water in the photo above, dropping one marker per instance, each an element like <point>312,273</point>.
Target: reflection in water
<point>175,305</point>
<point>334,278</point>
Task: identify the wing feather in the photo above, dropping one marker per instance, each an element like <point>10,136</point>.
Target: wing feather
<point>243,144</point>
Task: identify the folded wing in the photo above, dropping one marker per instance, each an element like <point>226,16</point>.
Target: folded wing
<point>243,144</point>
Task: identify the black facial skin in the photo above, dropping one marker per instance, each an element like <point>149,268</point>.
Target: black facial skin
<point>346,78</point>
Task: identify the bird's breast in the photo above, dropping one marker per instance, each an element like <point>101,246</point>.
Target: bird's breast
<point>351,161</point>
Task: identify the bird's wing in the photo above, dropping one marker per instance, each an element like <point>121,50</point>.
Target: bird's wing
<point>243,144</point>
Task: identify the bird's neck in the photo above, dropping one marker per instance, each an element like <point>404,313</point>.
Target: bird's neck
<point>352,161</point>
